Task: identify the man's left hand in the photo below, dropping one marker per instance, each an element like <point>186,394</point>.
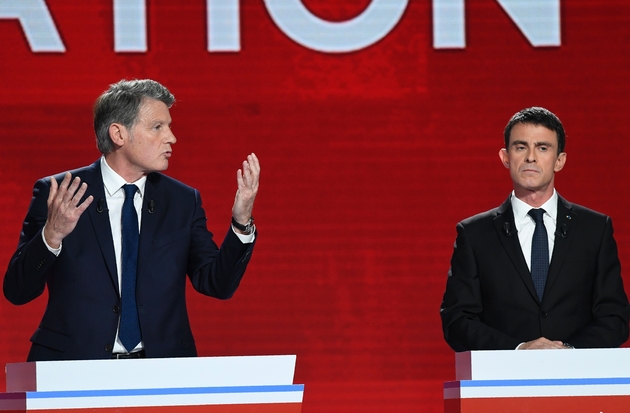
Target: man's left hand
<point>247,181</point>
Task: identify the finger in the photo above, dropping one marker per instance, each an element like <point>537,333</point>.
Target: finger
<point>53,190</point>
<point>85,204</point>
<point>247,173</point>
<point>79,194</point>
<point>72,189</point>
<point>239,179</point>
<point>63,187</point>
<point>254,166</point>
<point>254,163</point>
<point>66,181</point>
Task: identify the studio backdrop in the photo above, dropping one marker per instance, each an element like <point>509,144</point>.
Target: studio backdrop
<point>378,125</point>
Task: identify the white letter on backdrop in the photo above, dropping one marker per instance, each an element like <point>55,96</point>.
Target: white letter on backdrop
<point>130,26</point>
<point>297,22</point>
<point>538,20</point>
<point>224,28</point>
<point>37,23</point>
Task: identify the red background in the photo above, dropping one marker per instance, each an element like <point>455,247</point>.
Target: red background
<point>369,159</point>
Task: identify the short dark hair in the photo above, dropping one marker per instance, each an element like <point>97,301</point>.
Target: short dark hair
<point>540,117</point>
<point>121,104</point>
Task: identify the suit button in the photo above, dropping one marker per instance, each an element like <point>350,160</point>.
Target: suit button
<point>116,309</point>
<point>543,314</point>
<point>109,348</point>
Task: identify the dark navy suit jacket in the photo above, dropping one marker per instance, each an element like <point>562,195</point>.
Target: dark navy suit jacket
<point>83,309</point>
<point>490,301</point>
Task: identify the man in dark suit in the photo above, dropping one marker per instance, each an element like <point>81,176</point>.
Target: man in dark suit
<point>114,241</point>
<point>536,272</point>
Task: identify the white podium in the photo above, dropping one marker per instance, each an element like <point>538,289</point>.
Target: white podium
<point>261,384</point>
<point>585,380</point>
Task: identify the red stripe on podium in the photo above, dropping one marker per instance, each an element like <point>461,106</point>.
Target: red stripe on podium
<point>608,404</point>
<point>221,408</point>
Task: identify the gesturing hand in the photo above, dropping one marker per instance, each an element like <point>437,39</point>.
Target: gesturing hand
<point>64,209</point>
<point>247,181</point>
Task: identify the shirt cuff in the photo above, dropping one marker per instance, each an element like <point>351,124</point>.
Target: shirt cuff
<point>55,251</point>
<point>245,239</point>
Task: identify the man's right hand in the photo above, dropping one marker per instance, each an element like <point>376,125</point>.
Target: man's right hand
<point>64,209</point>
<point>542,343</point>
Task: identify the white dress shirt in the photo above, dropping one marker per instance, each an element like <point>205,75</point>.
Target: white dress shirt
<point>525,224</point>
<point>114,199</point>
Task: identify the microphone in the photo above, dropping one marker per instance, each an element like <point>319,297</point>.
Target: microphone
<point>563,231</point>
<point>99,205</point>
<point>151,208</point>
<point>507,229</point>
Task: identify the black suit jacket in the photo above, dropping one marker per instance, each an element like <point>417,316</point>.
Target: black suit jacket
<point>83,309</point>
<point>490,302</point>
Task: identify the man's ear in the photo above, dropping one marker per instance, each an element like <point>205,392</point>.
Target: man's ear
<point>562,159</point>
<point>505,157</point>
<point>118,134</point>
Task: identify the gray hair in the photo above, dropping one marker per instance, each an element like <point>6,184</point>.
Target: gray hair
<point>121,104</point>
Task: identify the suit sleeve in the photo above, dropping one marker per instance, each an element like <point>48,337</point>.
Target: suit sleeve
<point>25,278</point>
<point>610,310</point>
<point>462,306</point>
<point>216,272</point>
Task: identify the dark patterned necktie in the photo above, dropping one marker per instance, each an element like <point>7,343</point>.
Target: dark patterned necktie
<point>129,331</point>
<point>540,252</point>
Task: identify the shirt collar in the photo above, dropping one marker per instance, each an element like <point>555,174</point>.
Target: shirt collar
<point>113,182</point>
<point>521,208</point>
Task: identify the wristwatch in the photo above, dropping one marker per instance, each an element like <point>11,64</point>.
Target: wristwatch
<point>248,228</point>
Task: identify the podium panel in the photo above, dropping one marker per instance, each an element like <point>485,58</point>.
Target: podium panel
<point>150,373</point>
<point>535,364</point>
<point>595,380</point>
<point>206,384</point>
<point>597,404</point>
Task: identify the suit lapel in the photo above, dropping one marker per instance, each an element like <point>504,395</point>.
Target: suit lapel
<point>152,215</point>
<point>506,231</point>
<point>99,217</point>
<point>566,222</point>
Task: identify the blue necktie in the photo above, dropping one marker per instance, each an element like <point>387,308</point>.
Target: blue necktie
<point>540,252</point>
<point>129,331</point>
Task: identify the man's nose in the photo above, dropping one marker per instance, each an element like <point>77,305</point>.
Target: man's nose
<point>171,137</point>
<point>531,156</point>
